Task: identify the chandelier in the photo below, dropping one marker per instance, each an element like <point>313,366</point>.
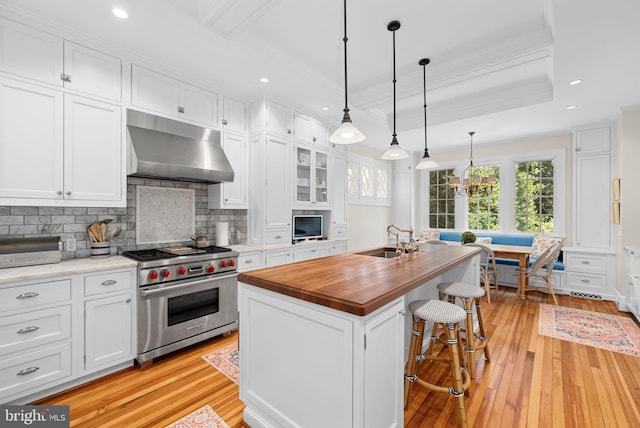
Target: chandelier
<point>470,183</point>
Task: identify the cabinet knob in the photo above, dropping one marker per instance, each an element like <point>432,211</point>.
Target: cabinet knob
<point>224,121</point>
<point>59,192</point>
<point>226,199</point>
<point>68,192</point>
<point>65,77</point>
<point>180,109</point>
<point>278,237</point>
<point>314,139</point>
<point>128,301</point>
<point>289,131</point>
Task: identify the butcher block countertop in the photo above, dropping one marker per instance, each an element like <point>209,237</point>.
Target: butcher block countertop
<point>358,283</point>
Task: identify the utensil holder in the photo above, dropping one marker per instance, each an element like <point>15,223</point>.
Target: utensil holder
<point>100,250</point>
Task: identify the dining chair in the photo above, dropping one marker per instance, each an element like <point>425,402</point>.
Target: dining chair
<point>488,269</point>
<point>543,268</point>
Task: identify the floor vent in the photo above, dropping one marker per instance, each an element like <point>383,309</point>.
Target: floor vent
<point>586,295</point>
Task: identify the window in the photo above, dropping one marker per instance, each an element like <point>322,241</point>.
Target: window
<point>441,200</point>
<point>352,178</point>
<point>381,184</point>
<point>534,196</point>
<point>484,209</point>
<point>368,181</point>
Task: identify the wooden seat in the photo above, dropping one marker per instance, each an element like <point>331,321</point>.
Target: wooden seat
<point>469,294</point>
<point>449,317</point>
<point>488,269</point>
<point>543,268</point>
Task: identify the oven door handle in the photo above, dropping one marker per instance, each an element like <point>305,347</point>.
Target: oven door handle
<point>158,289</point>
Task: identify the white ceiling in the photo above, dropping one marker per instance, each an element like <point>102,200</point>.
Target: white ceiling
<point>498,67</point>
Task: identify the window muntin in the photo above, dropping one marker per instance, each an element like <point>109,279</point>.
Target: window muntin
<point>484,209</point>
<point>441,200</point>
<point>534,206</point>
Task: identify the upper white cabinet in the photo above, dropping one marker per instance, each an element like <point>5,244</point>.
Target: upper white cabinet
<point>312,178</point>
<point>592,189</point>
<point>232,195</point>
<point>171,97</point>
<point>234,115</point>
<point>58,149</point>
<point>269,116</point>
<point>34,54</point>
<point>339,199</point>
<point>309,130</point>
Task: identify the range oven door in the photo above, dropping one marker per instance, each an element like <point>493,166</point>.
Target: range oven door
<point>174,312</point>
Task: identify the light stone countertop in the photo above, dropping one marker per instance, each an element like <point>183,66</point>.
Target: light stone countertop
<point>64,268</point>
<point>245,248</point>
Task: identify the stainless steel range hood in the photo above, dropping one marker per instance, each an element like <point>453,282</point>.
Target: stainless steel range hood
<point>165,148</point>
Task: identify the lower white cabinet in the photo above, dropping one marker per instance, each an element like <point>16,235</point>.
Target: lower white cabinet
<point>338,247</point>
<point>277,257</point>
<point>590,273</point>
<point>310,252</point>
<point>250,261</point>
<point>62,330</point>
<point>632,272</point>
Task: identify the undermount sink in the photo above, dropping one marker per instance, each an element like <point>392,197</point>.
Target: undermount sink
<point>384,254</point>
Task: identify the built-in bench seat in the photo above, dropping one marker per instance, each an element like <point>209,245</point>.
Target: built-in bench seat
<point>503,239</point>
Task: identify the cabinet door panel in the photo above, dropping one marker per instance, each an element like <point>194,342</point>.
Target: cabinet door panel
<point>277,165</point>
<point>278,119</point>
<point>31,141</point>
<point>93,155</point>
<point>592,201</point>
<point>28,52</point>
<point>198,105</point>
<point>233,115</point>
<point>108,330</point>
<point>92,72</point>
<point>234,194</point>
<point>154,91</point>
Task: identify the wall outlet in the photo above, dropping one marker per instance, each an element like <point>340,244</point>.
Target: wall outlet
<point>70,244</point>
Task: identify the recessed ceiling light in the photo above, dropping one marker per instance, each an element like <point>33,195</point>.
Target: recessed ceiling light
<point>326,108</point>
<point>120,13</point>
<point>575,82</point>
<point>264,79</point>
<point>571,107</point>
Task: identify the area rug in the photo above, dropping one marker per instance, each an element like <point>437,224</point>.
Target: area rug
<point>204,417</point>
<point>610,332</point>
<point>225,360</point>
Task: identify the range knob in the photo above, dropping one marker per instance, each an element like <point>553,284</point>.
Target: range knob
<point>153,275</point>
<point>223,264</point>
<point>182,270</point>
<point>165,273</point>
<point>232,263</point>
<point>211,269</point>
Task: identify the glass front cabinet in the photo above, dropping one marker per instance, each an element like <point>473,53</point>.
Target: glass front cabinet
<point>312,178</point>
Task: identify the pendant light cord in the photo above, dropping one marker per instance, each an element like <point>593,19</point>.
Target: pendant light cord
<point>424,77</point>
<point>394,85</point>
<point>345,39</point>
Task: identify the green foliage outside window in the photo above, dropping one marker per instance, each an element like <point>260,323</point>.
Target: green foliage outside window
<point>441,200</point>
<point>484,209</point>
<point>534,196</point>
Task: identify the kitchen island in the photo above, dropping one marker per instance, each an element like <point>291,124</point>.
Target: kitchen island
<point>321,341</point>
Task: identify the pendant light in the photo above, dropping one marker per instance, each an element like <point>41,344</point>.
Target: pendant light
<point>346,132</point>
<point>426,161</point>
<point>394,152</point>
<point>470,183</point>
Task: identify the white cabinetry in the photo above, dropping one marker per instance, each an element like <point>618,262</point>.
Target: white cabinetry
<point>234,115</point>
<point>109,314</point>
<point>269,116</point>
<point>338,247</point>
<point>632,271</point>
<point>232,195</point>
<point>308,251</point>
<point>250,261</point>
<point>33,54</point>
<point>312,178</point>
<point>270,166</point>
<point>360,363</point>
<point>339,196</point>
<point>590,273</point>
<point>162,94</point>
<point>64,330</point>
<point>277,257</point>
<point>309,130</point>
<point>59,149</point>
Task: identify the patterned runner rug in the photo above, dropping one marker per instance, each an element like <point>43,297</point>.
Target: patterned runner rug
<point>225,360</point>
<point>611,332</point>
<point>204,417</point>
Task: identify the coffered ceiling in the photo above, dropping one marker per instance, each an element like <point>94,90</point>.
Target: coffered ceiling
<point>499,67</point>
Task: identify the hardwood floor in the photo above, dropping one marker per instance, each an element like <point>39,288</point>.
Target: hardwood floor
<point>531,381</point>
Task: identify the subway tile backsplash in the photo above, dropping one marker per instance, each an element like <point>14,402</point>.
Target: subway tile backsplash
<point>72,222</point>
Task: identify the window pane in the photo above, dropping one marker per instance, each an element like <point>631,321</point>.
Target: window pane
<point>352,178</point>
<point>441,200</point>
<point>484,204</point>
<point>534,196</point>
<point>367,181</point>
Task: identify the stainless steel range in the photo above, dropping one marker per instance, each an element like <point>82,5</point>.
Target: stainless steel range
<point>185,295</point>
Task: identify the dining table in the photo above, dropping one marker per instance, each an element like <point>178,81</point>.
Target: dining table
<point>516,252</point>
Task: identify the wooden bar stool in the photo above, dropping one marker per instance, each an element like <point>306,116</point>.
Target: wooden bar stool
<point>468,294</point>
<point>448,316</point>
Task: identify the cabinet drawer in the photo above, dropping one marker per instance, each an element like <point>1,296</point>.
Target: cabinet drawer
<point>250,261</point>
<point>277,236</point>
<point>36,328</point>
<point>34,369</point>
<point>339,232</point>
<point>586,281</point>
<point>34,295</point>
<point>107,283</point>
<point>591,263</point>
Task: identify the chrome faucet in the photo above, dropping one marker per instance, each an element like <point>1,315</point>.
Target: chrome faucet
<point>412,241</point>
